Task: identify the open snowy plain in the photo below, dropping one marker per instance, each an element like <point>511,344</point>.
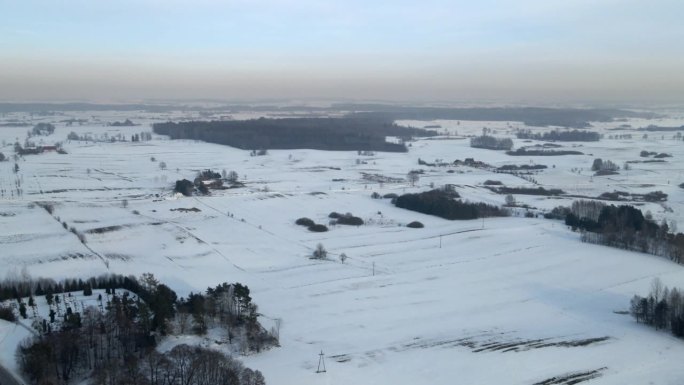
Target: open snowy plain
<point>501,301</point>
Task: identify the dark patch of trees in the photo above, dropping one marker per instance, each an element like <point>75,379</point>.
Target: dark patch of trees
<point>345,219</point>
<point>522,167</point>
<point>625,227</point>
<point>527,191</point>
<point>305,222</point>
<point>558,212</point>
<point>7,314</point>
<point>653,196</point>
<point>601,165</point>
<point>662,309</point>
<point>43,129</point>
<point>445,205</point>
<point>491,143</point>
<point>311,225</point>
<point>339,134</point>
<point>531,116</point>
<point>184,187</point>
<point>231,307</point>
<point>653,128</point>
<point>318,228</point>
<point>125,123</point>
<point>527,152</point>
<point>415,225</point>
<point>561,136</point>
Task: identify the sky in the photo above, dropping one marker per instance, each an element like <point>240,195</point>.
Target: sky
<point>527,51</point>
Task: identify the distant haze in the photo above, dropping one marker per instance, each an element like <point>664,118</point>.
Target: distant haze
<point>430,50</point>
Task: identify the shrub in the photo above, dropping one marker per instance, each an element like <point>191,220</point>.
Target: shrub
<point>393,195</point>
<point>334,215</point>
<point>415,225</point>
<point>490,182</point>
<point>558,212</point>
<point>318,228</point>
<point>184,187</point>
<point>305,222</point>
<point>320,252</point>
<point>7,314</point>
<point>350,220</point>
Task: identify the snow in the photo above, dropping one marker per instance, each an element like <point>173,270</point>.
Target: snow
<point>427,309</point>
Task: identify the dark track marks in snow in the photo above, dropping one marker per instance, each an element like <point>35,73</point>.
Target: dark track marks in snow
<point>505,345</point>
<point>572,378</point>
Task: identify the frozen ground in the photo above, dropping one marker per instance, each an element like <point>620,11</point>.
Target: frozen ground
<point>511,300</point>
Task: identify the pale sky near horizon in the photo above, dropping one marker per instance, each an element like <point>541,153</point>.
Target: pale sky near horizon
<point>429,50</point>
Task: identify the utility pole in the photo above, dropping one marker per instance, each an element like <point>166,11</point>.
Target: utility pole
<point>374,269</point>
<point>321,362</point>
<point>440,241</point>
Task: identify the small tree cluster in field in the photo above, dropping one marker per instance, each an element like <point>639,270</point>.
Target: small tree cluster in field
<point>345,219</point>
<point>491,143</point>
<point>43,129</point>
<point>413,176</point>
<point>415,225</point>
<point>561,136</point>
<point>443,204</point>
<point>604,166</point>
<point>319,252</point>
<point>311,225</point>
<point>318,228</point>
<point>305,222</point>
<point>663,308</point>
<point>184,187</point>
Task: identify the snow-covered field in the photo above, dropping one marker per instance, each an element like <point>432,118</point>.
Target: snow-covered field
<point>510,300</point>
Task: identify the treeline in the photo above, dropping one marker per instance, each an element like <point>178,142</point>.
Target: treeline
<point>527,191</point>
<point>530,116</point>
<point>522,167</point>
<point>561,136</point>
<point>625,227</point>
<point>663,308</point>
<point>445,204</point>
<point>527,152</point>
<point>24,286</point>
<point>339,134</point>
<point>491,143</point>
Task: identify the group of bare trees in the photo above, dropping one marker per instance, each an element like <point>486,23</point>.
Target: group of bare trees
<point>663,308</point>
